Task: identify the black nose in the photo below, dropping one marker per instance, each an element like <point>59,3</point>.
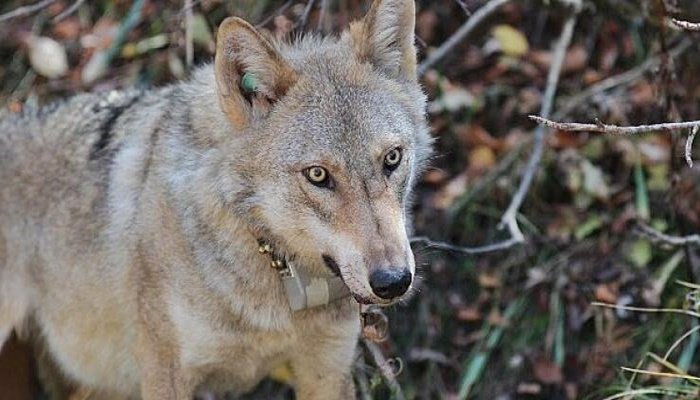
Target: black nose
<point>389,283</point>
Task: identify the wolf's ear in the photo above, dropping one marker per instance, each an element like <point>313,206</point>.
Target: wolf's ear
<point>385,38</point>
<point>250,73</point>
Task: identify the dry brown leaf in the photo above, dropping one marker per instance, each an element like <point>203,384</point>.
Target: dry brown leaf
<point>481,158</point>
<point>488,281</point>
<point>67,29</point>
<point>476,135</point>
<point>546,371</point>
<point>444,198</point>
<point>435,177</point>
<point>606,294</point>
<point>469,314</point>
<point>530,388</point>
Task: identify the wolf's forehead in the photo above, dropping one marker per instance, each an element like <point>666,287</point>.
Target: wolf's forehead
<point>349,111</point>
<point>351,126</point>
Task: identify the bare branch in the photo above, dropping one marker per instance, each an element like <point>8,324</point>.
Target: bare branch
<point>280,10</point>
<point>688,26</point>
<point>322,24</point>
<point>509,218</point>
<point>503,245</point>
<point>647,309</point>
<point>464,7</point>
<point>621,79</point>
<point>614,129</point>
<point>68,11</point>
<point>661,238</point>
<point>385,368</point>
<point>25,10</point>
<point>689,146</point>
<point>461,33</point>
<point>307,12</point>
<point>189,40</point>
<point>627,130</point>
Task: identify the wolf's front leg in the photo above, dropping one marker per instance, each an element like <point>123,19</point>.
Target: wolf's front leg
<point>323,368</point>
<point>314,383</point>
<point>161,377</point>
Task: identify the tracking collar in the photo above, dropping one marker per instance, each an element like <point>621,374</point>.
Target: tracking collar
<point>303,291</point>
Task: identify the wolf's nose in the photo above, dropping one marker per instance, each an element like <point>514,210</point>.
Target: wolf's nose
<point>390,283</point>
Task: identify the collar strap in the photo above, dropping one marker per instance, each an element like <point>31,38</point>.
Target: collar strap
<point>304,291</point>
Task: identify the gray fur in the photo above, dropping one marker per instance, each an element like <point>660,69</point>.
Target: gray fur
<point>128,224</point>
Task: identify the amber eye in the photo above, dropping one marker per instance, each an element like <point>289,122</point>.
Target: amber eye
<point>318,176</point>
<point>392,159</point>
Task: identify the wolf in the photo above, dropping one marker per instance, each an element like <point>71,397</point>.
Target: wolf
<point>192,237</point>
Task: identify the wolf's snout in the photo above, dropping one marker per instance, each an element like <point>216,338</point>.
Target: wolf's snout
<point>390,283</point>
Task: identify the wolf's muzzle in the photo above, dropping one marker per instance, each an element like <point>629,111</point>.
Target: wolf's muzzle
<point>389,283</point>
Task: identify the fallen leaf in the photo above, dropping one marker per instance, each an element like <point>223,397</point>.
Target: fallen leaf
<point>640,253</point>
<point>426,20</point>
<point>469,314</point>
<point>531,388</point>
<point>454,99</point>
<point>201,34</point>
<point>481,159</point>
<point>428,355</point>
<point>594,181</point>
<point>435,177</point>
<point>488,281</point>
<point>546,371</point>
<point>576,59</point>
<point>47,57</point>
<point>476,135</point>
<point>642,94</point>
<point>510,40</point>
<point>496,318</point>
<point>444,198</point>
<point>67,29</point>
<point>606,294</point>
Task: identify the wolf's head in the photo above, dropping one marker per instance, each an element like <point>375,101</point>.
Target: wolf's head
<point>331,134</point>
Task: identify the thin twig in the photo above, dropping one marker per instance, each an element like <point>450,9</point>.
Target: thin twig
<point>663,374</point>
<point>503,166</point>
<point>184,9</point>
<point>461,33</point>
<point>305,15</point>
<point>277,12</point>
<point>26,10</point>
<point>385,368</point>
<point>688,26</point>
<point>189,45</point>
<point>614,129</point>
<point>68,11</point>
<point>97,65</point>
<point>321,24</point>
<point>503,245</point>
<point>509,218</point>
<point>689,146</point>
<point>680,340</point>
<point>627,130</point>
<point>669,240</point>
<point>464,7</point>
<point>624,78</point>
<point>646,309</point>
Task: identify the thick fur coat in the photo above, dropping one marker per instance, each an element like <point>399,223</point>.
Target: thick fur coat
<point>129,220</point>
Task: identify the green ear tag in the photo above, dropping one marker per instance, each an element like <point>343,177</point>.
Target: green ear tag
<point>249,83</point>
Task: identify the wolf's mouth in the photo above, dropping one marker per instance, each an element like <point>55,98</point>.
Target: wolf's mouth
<point>332,265</point>
<point>335,269</point>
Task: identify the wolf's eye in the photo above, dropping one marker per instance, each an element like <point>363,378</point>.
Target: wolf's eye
<point>318,176</point>
<point>392,159</point>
